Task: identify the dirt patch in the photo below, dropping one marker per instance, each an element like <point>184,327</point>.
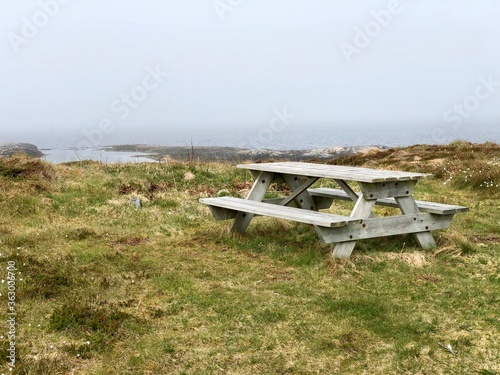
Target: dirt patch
<point>130,241</point>
<point>202,190</point>
<point>487,239</point>
<point>436,162</point>
<point>416,260</point>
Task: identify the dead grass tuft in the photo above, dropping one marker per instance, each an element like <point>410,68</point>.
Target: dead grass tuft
<point>23,167</point>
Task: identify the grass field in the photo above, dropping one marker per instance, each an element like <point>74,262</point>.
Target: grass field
<point>104,287</point>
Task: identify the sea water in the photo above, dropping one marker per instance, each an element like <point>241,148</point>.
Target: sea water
<point>61,148</point>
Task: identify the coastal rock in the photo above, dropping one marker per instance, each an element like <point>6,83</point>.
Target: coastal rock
<point>333,152</point>
<point>10,149</point>
<point>239,155</point>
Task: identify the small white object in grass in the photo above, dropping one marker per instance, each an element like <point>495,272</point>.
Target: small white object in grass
<point>447,347</point>
<point>188,176</point>
<point>450,349</point>
<point>136,202</point>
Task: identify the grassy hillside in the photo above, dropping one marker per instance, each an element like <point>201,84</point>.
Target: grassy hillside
<point>104,287</point>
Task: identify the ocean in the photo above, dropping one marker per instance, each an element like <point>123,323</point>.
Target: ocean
<point>59,148</point>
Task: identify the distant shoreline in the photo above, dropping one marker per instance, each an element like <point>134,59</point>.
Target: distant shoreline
<point>213,153</point>
<point>138,153</point>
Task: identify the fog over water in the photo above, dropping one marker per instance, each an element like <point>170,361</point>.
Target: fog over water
<point>255,74</point>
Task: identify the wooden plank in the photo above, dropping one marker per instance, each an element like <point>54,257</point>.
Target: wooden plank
<point>226,214</point>
<point>383,190</point>
<point>320,202</point>
<point>259,188</point>
<point>430,207</point>
<point>222,213</point>
<point>335,172</point>
<point>247,207</point>
<point>347,189</point>
<point>386,226</point>
<point>350,193</point>
<point>362,210</point>
<point>409,207</point>
<point>303,199</point>
<point>297,189</point>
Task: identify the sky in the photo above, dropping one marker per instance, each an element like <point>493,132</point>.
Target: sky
<point>93,72</point>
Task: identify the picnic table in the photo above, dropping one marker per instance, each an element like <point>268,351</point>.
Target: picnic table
<point>376,187</point>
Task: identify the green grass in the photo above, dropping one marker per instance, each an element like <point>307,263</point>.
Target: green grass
<point>107,288</point>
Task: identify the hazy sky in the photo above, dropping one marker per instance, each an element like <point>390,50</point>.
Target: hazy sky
<point>117,66</point>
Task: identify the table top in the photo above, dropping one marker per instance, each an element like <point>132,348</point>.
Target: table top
<point>335,171</point>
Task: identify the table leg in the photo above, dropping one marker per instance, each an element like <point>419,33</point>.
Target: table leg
<point>259,189</point>
<point>351,193</point>
<point>362,210</point>
<point>299,192</point>
<point>407,206</point>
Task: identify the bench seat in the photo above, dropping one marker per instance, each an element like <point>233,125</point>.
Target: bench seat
<point>227,207</point>
<point>429,207</point>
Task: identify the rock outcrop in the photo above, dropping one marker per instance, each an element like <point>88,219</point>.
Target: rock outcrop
<point>10,149</point>
<point>240,154</point>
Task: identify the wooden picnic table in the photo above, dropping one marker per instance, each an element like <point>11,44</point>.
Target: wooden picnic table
<point>377,187</point>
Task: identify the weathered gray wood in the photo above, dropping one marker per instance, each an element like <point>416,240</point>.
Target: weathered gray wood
<point>222,213</point>
<point>319,202</point>
<point>430,207</point>
<point>383,187</point>
<point>350,193</point>
<point>226,214</point>
<point>281,212</point>
<point>302,199</point>
<point>386,226</point>
<point>382,190</point>
<point>335,172</point>
<point>259,188</point>
<point>297,189</point>
<point>362,210</point>
<point>408,207</point>
<point>347,189</point>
